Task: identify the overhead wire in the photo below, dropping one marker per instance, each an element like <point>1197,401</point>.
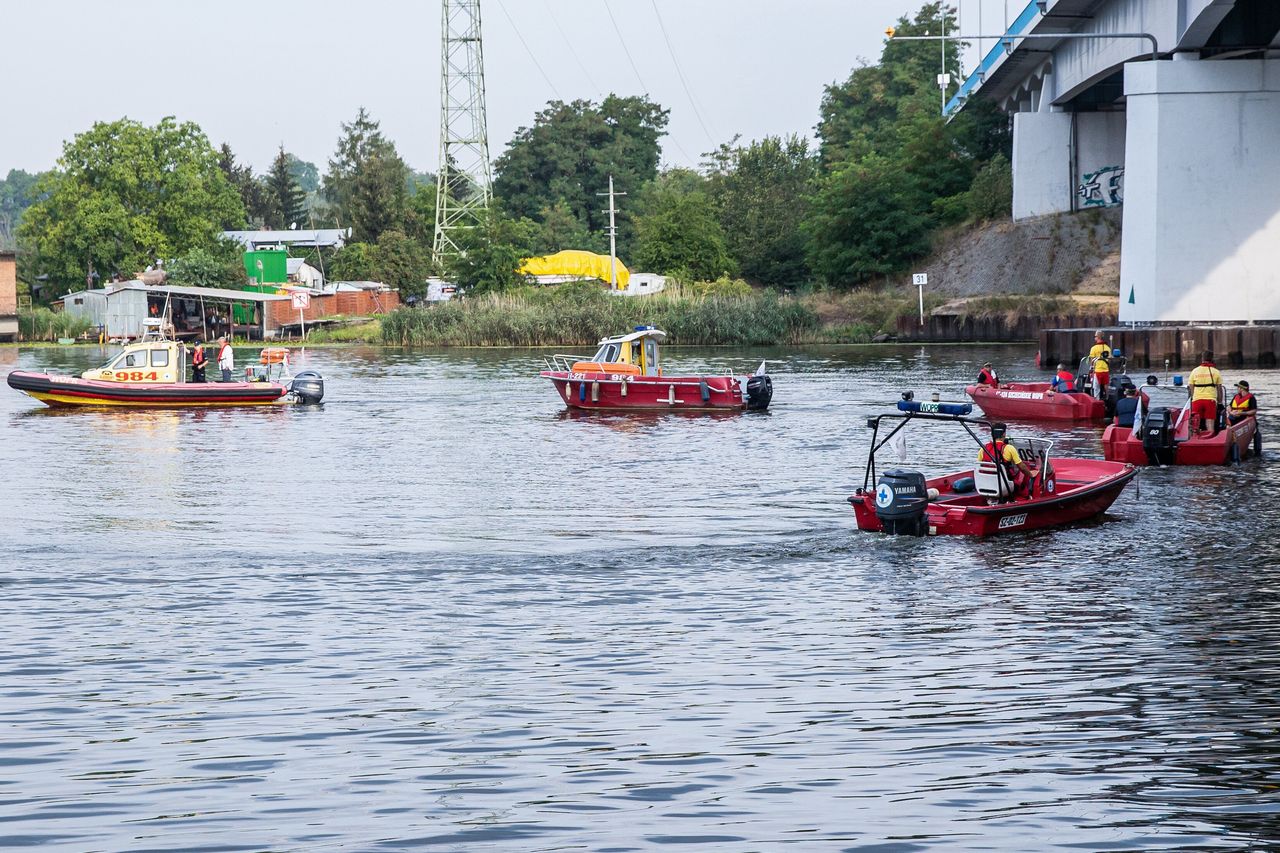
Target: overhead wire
<point>680,73</point>
<point>625,49</point>
<point>572,51</point>
<point>527,50</point>
<point>622,41</point>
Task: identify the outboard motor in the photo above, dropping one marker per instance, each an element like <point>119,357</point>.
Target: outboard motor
<point>308,387</point>
<point>1157,437</point>
<point>901,498</point>
<point>759,392</point>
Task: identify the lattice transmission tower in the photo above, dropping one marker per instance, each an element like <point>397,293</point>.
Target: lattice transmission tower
<point>463,189</point>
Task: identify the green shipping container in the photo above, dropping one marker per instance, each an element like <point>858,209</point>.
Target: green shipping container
<point>274,266</point>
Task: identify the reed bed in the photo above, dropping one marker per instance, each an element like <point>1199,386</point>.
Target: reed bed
<point>41,324</point>
<point>580,316</point>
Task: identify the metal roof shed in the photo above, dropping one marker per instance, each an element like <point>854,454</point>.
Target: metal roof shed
<point>128,305</point>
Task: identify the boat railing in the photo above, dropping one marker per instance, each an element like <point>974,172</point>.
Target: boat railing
<point>562,363</point>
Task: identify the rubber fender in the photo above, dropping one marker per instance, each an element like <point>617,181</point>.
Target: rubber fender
<point>595,392</point>
<point>582,392</point>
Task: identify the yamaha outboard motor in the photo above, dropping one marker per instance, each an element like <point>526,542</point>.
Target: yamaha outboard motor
<point>901,498</point>
<point>1157,437</point>
<point>308,387</point>
<point>759,392</point>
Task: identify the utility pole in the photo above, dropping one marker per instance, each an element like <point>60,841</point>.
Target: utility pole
<point>463,182</point>
<point>613,236</point>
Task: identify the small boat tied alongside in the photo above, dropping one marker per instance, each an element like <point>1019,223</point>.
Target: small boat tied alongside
<point>626,374</point>
<point>1045,401</point>
<point>152,374</point>
<point>990,498</point>
<point>1165,432</point>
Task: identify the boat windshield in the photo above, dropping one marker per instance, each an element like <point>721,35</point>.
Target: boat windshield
<point>1164,396</point>
<point>607,354</point>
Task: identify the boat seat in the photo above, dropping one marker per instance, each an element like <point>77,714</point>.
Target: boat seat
<point>989,481</point>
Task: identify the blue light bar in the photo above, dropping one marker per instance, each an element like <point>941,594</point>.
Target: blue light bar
<point>928,407</point>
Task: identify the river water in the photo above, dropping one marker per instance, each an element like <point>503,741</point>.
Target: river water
<point>438,613</point>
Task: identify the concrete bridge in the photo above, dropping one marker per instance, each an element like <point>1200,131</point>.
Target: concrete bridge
<point>1188,141</point>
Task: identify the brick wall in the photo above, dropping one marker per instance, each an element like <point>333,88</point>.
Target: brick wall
<point>8,285</point>
<point>361,303</point>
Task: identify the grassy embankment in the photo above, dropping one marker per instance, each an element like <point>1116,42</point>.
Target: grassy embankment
<point>719,313</point>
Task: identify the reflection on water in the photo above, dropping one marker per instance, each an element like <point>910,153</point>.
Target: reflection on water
<point>436,612</point>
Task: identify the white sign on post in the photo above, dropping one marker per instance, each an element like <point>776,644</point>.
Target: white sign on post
<point>301,300</point>
<point>920,279</point>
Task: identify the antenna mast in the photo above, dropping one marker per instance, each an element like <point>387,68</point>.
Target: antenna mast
<point>613,235</point>
<point>463,181</point>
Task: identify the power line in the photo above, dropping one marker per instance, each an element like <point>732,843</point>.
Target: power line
<point>625,49</point>
<point>536,63</point>
<point>572,51</point>
<point>680,73</point>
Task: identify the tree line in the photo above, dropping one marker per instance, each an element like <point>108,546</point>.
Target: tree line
<point>861,202</point>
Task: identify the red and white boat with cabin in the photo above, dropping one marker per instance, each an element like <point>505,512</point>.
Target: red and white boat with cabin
<point>626,374</point>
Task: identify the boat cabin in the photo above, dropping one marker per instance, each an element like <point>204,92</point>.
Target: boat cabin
<point>152,361</point>
<point>635,354</point>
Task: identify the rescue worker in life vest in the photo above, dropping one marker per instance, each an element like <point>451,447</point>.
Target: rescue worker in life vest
<point>1020,474</point>
<point>1063,381</point>
<point>1101,375</point>
<point>1206,393</point>
<point>987,376</point>
<point>1100,347</point>
<point>1242,405</point>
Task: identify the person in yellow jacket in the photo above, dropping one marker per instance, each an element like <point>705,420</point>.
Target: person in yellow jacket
<point>1206,392</point>
<point>998,450</point>
<point>1100,347</point>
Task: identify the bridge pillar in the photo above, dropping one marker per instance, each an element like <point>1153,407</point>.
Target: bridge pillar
<point>1067,161</point>
<point>1202,209</point>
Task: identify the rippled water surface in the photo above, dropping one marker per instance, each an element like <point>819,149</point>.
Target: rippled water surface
<point>439,613</point>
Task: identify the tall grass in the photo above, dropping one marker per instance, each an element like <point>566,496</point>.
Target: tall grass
<point>41,324</point>
<point>572,315</point>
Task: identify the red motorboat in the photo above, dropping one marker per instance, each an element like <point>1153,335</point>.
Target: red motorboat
<point>981,501</point>
<point>1162,434</point>
<point>1035,401</point>
<point>626,374</point>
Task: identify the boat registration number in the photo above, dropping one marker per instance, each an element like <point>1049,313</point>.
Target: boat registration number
<point>1013,520</point>
<point>130,376</point>
<point>609,377</point>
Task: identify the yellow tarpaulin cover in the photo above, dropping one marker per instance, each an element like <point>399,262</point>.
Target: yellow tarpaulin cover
<point>574,262</point>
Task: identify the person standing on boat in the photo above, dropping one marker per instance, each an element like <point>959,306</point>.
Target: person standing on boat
<point>1100,347</point>
<point>1063,381</point>
<point>198,363</point>
<point>1101,375</point>
<point>1006,455</point>
<point>226,359</point>
<point>987,376</point>
<point>1243,404</point>
<point>1206,392</point>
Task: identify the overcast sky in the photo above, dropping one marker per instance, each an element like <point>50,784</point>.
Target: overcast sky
<point>258,73</point>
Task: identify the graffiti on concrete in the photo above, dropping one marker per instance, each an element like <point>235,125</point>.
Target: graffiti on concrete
<point>1103,188</point>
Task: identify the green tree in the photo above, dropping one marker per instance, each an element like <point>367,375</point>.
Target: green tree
<point>286,200</point>
<point>559,228</point>
<point>403,263</point>
<point>252,193</point>
<point>17,193</point>
<point>569,153</point>
<point>493,253</point>
<point>991,194</point>
<point>125,194</point>
<point>761,193</point>
<point>220,265</point>
<point>367,180</point>
<point>865,221</point>
<point>678,234</point>
<point>305,174</point>
<point>355,262</point>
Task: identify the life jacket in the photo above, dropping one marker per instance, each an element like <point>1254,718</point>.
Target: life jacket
<point>198,358</point>
<point>1100,366</point>
<point>993,451</point>
<point>1068,380</point>
<point>1240,402</point>
<point>987,377</point>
